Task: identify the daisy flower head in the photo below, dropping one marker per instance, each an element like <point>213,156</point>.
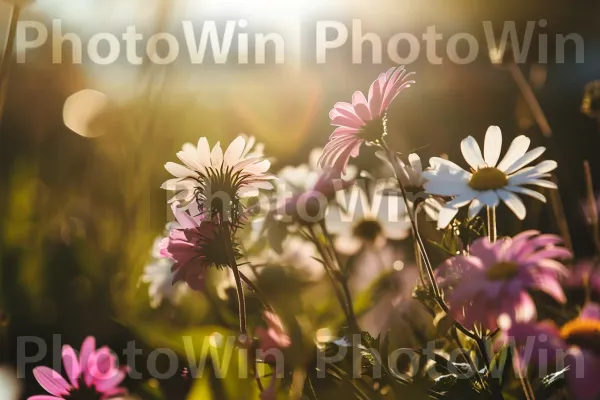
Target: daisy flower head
<point>412,178</point>
<point>366,218</point>
<point>575,345</point>
<point>490,180</point>
<point>195,246</point>
<point>95,374</point>
<point>495,277</point>
<point>363,120</point>
<point>217,180</point>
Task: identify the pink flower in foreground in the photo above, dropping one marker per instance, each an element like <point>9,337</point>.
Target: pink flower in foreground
<point>574,345</point>
<point>274,337</point>
<point>495,278</point>
<point>363,120</point>
<point>194,247</point>
<point>94,372</point>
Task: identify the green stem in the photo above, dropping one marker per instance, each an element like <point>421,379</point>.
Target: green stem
<point>344,280</point>
<point>327,264</point>
<point>256,291</point>
<point>415,229</point>
<point>225,231</point>
<point>436,293</point>
<point>491,220</point>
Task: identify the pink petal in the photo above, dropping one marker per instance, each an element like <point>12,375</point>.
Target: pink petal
<point>44,397</point>
<point>358,98</point>
<point>71,364</point>
<point>110,383</point>
<point>342,131</point>
<point>375,99</point>
<point>341,120</point>
<point>51,381</point>
<point>87,348</point>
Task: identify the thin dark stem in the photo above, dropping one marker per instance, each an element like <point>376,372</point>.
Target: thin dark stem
<point>327,263</point>
<point>343,281</point>
<point>496,389</point>
<point>466,356</point>
<point>436,293</point>
<point>392,158</point>
<point>225,231</point>
<point>256,291</point>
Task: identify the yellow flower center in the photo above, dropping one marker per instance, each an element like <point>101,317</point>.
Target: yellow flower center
<point>502,271</point>
<point>488,178</point>
<point>582,332</point>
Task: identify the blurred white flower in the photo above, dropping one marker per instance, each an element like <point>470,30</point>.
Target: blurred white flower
<point>10,389</point>
<point>298,179</point>
<point>490,180</point>
<point>366,219</point>
<point>412,178</point>
<point>159,276</point>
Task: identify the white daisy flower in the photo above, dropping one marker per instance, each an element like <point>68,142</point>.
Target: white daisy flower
<point>411,175</point>
<point>209,176</point>
<point>366,219</point>
<point>159,276</point>
<point>412,178</point>
<point>490,181</point>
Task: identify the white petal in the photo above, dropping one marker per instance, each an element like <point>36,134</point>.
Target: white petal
<point>472,153</point>
<point>347,245</point>
<point>492,145</point>
<point>415,163</point>
<point>179,170</point>
<point>475,208</point>
<point>446,216</point>
<point>516,150</point>
<point>525,159</point>
<point>262,185</point>
<point>546,166</point>
<point>234,151</point>
<point>441,187</point>
<point>216,156</point>
<point>542,183</point>
<point>446,166</point>
<point>250,142</point>
<point>528,192</point>
<point>171,184</point>
<point>247,191</point>
<point>184,195</point>
<point>489,198</point>
<point>513,202</point>
<point>259,167</point>
<point>203,151</point>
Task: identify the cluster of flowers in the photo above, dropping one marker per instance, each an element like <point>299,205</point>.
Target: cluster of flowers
<point>485,288</point>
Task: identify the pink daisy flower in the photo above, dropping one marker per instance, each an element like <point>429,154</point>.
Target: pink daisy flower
<point>194,246</point>
<point>363,121</point>
<point>574,345</point>
<point>95,373</point>
<point>495,278</point>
